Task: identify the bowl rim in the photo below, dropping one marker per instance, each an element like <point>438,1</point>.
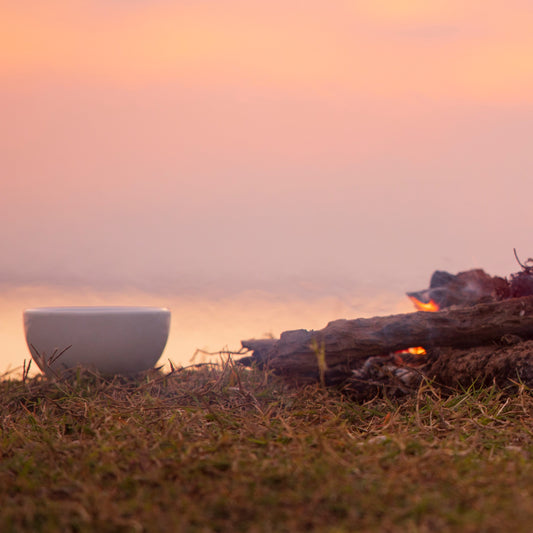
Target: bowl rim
<point>97,309</point>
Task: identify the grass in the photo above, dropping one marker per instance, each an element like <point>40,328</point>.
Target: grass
<point>221,448</point>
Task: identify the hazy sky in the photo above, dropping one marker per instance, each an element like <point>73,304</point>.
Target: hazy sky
<point>191,145</point>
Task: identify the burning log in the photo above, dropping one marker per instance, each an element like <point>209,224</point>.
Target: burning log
<point>350,344</point>
<point>471,327</point>
<point>473,287</point>
<point>464,289</point>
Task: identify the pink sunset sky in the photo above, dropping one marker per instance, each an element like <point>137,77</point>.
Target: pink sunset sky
<point>228,145</point>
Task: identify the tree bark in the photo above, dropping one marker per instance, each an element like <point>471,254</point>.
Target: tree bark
<point>348,343</point>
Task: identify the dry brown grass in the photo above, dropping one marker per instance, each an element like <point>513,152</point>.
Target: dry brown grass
<point>221,448</point>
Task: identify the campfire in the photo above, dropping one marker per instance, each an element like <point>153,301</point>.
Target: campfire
<point>470,328</point>
<point>430,306</point>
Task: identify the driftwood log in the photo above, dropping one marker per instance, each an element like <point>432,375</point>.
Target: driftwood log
<point>466,289</point>
<point>482,330</point>
<point>474,286</point>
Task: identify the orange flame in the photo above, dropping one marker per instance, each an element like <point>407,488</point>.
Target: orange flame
<point>401,359</point>
<point>431,306</point>
<point>417,350</point>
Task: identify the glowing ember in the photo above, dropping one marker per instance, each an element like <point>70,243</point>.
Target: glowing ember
<point>431,306</point>
<point>417,350</point>
<point>414,356</point>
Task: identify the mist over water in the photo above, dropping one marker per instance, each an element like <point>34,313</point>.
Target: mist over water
<point>199,321</point>
<point>257,168</point>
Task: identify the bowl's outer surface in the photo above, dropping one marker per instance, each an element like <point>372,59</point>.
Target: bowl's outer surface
<point>114,340</point>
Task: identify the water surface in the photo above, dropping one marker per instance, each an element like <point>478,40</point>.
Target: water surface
<point>201,323</point>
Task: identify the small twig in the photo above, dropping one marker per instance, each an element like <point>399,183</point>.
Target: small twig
<point>241,351</point>
<point>320,354</point>
<point>56,355</point>
<point>45,363</point>
<point>528,269</point>
<point>235,374</point>
<point>25,370</point>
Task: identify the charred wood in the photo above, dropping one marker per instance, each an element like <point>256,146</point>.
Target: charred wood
<point>506,364</point>
<point>464,289</point>
<point>349,343</point>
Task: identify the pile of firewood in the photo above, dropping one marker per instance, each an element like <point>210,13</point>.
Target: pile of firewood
<point>481,331</point>
<point>473,287</point>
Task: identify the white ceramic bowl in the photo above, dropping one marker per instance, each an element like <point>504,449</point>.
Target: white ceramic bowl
<point>112,340</point>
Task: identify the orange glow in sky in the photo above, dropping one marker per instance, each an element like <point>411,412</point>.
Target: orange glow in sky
<point>301,150</point>
<point>145,139</point>
<point>385,48</point>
